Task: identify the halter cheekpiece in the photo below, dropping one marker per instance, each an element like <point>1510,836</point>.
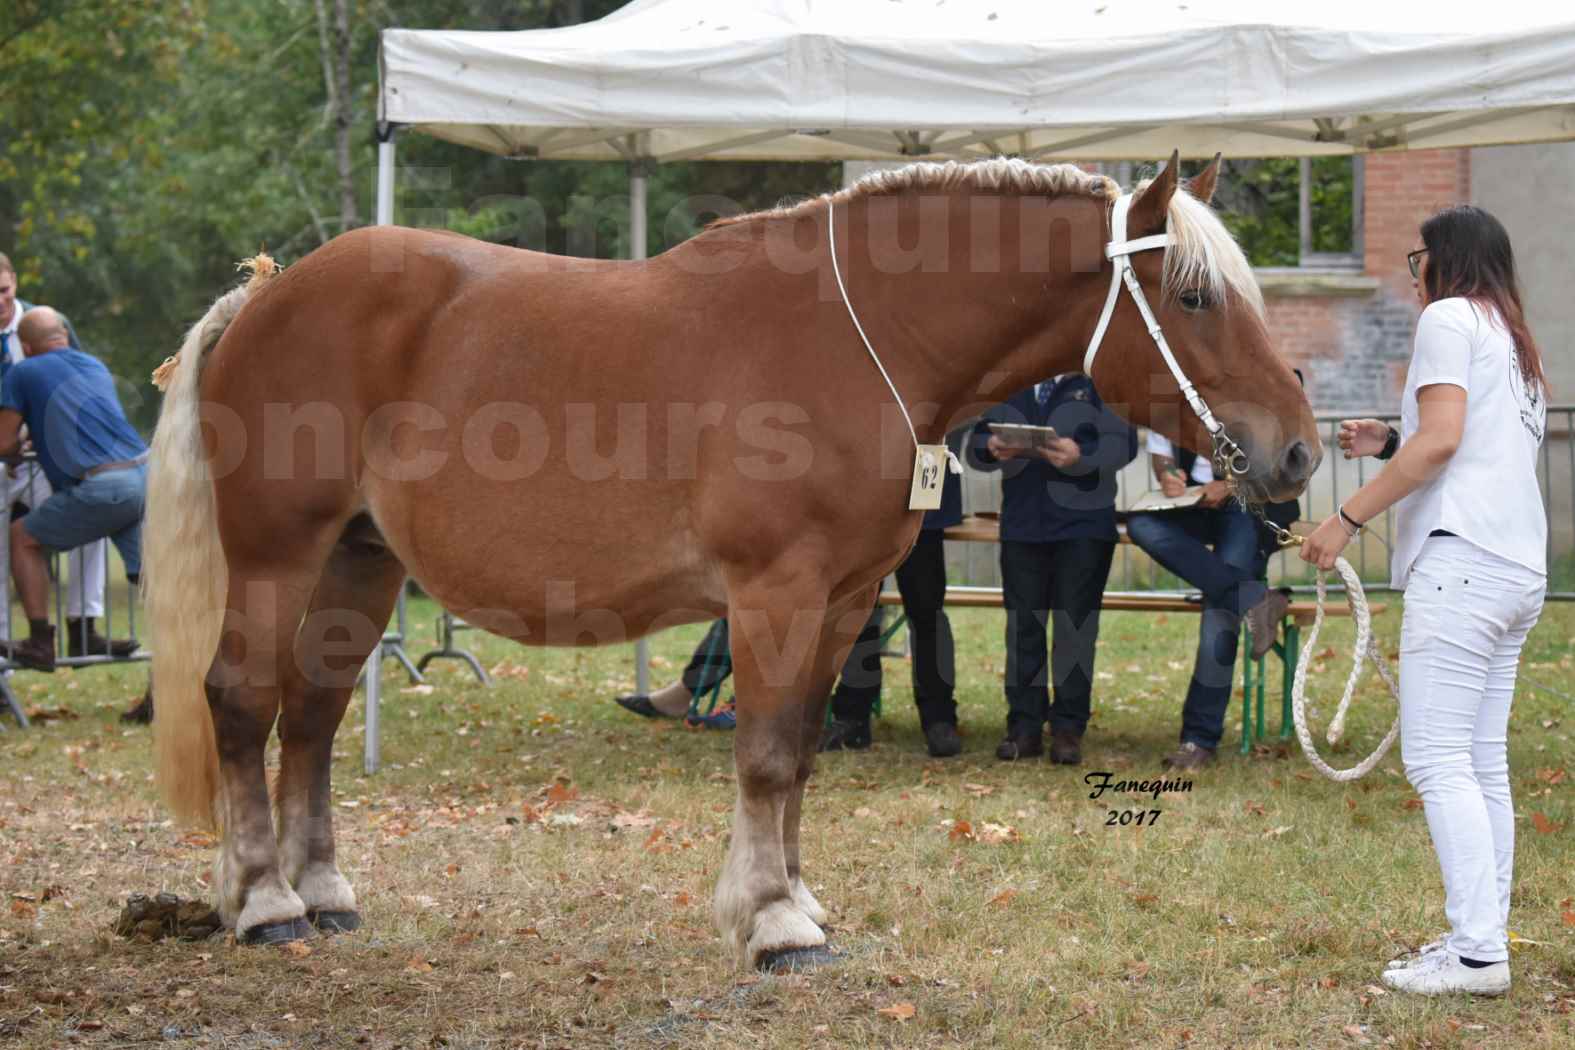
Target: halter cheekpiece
<point>1229,459</point>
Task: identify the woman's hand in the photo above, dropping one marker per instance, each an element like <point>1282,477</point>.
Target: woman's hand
<point>1362,437</point>
<point>1172,484</point>
<point>1326,542</point>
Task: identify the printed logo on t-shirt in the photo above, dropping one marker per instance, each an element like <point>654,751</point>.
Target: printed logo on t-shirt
<point>1528,399</point>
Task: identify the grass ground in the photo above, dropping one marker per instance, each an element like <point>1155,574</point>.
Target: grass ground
<point>535,868</point>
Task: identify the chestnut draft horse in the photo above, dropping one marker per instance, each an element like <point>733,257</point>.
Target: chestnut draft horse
<point>410,402</point>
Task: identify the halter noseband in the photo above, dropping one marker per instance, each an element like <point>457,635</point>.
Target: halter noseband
<point>1229,459</point>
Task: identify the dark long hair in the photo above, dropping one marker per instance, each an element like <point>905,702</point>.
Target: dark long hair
<point>1468,255</point>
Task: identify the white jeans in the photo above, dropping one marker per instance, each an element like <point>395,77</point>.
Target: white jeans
<point>1467,614</point>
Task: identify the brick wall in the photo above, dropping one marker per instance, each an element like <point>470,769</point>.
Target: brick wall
<point>1354,343</point>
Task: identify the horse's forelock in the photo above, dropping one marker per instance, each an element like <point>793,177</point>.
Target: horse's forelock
<point>1204,254</point>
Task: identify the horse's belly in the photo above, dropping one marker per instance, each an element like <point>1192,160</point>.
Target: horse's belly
<point>563,580</point>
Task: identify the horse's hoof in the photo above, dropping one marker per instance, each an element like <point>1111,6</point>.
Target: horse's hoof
<point>335,921</point>
<point>297,929</point>
<point>797,960</point>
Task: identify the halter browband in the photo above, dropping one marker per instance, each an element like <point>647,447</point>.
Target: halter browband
<point>1119,251</point>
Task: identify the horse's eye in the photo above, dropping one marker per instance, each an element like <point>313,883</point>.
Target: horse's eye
<point>1192,301</point>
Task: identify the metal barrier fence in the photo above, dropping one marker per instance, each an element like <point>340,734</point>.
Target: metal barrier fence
<point>977,564</point>
<point>89,591</point>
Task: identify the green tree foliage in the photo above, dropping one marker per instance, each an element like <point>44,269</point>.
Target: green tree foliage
<point>1260,202</point>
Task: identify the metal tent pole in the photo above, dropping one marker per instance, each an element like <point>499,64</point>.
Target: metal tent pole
<point>637,249</point>
<point>374,661</point>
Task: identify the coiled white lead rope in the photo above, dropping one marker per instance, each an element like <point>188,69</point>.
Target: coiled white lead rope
<point>1366,650</point>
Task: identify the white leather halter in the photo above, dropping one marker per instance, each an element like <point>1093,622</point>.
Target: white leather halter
<point>1229,459</point>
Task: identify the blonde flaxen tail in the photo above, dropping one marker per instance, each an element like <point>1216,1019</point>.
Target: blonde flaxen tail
<point>184,570</point>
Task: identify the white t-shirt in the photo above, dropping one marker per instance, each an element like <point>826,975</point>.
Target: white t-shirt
<point>1487,493</point>
<point>1202,469</point>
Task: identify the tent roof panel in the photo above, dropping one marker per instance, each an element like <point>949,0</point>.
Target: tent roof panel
<point>1092,78</point>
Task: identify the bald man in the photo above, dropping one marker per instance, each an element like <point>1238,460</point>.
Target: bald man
<point>92,456</point>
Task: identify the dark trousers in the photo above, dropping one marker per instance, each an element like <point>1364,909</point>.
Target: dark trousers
<point>1230,577</point>
<point>1056,586</point>
<point>712,661</point>
<point>921,580</point>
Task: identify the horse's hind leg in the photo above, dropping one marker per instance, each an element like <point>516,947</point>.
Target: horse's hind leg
<point>268,591</point>
<point>348,611</point>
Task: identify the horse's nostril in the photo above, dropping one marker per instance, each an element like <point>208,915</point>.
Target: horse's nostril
<point>1296,463</point>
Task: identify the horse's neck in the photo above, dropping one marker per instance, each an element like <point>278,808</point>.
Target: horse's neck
<point>965,318</point>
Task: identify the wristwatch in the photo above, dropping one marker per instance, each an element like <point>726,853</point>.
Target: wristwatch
<point>1391,444</point>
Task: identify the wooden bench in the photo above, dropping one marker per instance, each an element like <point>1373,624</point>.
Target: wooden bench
<point>980,528</point>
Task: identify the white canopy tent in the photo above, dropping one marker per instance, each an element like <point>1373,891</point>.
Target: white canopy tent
<point>671,80</point>
<point>887,79</point>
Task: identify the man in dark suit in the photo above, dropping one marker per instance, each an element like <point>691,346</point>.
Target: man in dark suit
<point>1058,537</point>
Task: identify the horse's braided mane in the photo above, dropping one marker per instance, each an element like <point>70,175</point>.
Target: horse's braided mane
<point>1008,174</point>
<point>1203,254</point>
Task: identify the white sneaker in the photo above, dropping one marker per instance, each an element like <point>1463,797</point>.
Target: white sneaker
<point>1443,973</point>
<point>1411,958</point>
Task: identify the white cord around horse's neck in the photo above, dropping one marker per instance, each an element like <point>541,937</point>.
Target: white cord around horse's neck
<point>836,269</point>
<point>1366,649</point>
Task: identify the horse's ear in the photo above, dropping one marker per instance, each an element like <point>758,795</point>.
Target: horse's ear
<point>1152,207</point>
<point>1201,185</point>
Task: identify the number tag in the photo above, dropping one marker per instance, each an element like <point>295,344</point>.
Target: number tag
<point>929,475</point>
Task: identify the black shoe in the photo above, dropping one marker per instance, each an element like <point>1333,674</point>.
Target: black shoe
<point>943,740</point>
<point>142,714</point>
<point>640,704</point>
<point>37,653</point>
<point>847,735</point>
<point>1066,747</point>
<point>1020,745</point>
<point>97,644</point>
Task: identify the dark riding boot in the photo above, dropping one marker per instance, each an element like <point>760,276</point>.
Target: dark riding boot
<point>83,639</point>
<point>142,714</point>
<point>38,652</point>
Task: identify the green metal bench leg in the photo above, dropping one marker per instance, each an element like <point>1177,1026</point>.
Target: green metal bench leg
<point>1246,692</point>
<point>1290,654</point>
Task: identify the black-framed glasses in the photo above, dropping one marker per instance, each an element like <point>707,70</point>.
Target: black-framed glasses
<point>1414,262</point>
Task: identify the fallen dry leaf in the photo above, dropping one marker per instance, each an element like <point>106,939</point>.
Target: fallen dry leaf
<point>1002,899</point>
<point>961,831</point>
<point>299,949</point>
<point>1543,825</point>
<point>898,1011</point>
<point>1568,917</point>
<point>561,792</point>
<point>418,965</point>
<point>996,834</point>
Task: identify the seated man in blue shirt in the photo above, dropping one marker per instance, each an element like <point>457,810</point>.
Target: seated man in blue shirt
<point>1058,536</point>
<point>93,458</point>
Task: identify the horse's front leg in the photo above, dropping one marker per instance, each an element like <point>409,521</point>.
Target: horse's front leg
<point>780,674</point>
<point>842,631</point>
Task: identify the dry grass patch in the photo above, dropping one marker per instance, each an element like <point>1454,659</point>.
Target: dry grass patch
<point>535,868</point>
